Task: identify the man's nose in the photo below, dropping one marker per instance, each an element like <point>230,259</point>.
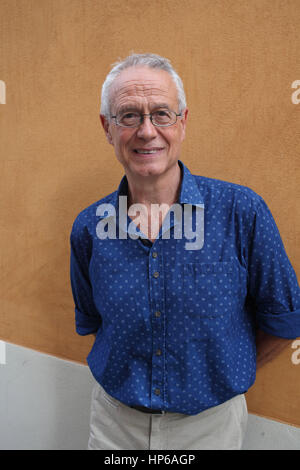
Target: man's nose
<point>146,130</point>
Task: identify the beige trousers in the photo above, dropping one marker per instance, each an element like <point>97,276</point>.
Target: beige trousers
<point>115,426</point>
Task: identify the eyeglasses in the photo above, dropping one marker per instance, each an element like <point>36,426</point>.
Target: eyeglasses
<point>160,118</point>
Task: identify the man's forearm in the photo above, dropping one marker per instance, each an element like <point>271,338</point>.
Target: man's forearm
<point>268,347</point>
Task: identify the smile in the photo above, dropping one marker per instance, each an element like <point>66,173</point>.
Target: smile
<point>148,151</point>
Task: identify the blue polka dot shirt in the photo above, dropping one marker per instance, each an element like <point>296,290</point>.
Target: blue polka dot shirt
<point>175,327</point>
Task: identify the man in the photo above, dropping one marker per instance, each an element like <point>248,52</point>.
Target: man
<point>175,324</point>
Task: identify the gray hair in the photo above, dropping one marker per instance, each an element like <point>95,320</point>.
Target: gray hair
<point>153,61</point>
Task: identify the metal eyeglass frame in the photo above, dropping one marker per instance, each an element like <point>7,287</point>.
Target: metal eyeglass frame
<point>150,115</point>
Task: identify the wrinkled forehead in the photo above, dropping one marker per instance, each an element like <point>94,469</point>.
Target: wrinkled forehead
<point>140,85</point>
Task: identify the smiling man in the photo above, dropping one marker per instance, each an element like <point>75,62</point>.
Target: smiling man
<point>146,128</point>
<point>179,331</point>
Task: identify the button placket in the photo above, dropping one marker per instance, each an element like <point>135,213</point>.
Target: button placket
<point>157,294</point>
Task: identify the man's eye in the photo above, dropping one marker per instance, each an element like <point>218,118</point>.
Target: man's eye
<point>129,115</point>
<point>162,113</point>
<point>129,119</point>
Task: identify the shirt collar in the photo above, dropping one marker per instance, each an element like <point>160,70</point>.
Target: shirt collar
<point>189,191</point>
<point>189,194</point>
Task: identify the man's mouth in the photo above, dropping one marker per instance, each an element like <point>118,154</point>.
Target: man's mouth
<point>148,151</point>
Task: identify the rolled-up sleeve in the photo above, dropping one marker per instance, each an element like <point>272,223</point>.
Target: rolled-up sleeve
<point>272,281</point>
<point>87,318</point>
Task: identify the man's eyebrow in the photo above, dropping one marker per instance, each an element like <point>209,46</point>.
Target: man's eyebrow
<point>132,107</point>
<point>128,107</point>
<point>161,105</point>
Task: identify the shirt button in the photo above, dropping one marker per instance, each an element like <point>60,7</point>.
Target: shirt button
<point>154,254</point>
<point>158,352</point>
<point>156,274</point>
<point>157,314</point>
<point>157,391</point>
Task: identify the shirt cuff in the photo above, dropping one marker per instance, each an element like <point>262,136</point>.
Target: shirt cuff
<point>284,325</point>
<point>86,324</point>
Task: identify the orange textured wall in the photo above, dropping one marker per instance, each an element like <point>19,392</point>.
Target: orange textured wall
<point>238,61</point>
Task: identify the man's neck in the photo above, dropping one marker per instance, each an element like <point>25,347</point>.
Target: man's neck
<point>156,195</point>
<point>162,189</point>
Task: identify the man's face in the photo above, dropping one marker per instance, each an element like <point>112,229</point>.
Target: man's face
<point>145,90</point>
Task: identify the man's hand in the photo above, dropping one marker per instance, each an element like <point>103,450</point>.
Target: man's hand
<point>268,347</point>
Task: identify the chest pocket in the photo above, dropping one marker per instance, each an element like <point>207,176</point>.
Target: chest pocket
<point>211,289</point>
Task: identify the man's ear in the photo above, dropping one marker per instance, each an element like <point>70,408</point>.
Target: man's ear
<point>183,122</point>
<point>105,124</point>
